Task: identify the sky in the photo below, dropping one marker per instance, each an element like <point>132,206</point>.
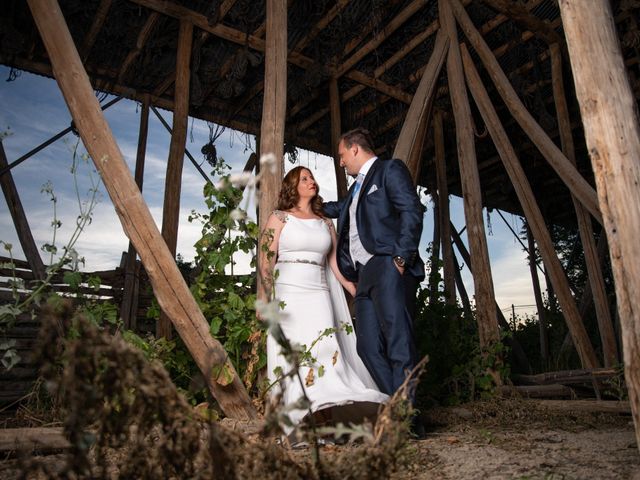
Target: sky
<point>33,110</point>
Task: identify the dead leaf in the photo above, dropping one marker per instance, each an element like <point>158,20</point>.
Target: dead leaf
<point>308,381</point>
<point>452,440</point>
<point>335,358</point>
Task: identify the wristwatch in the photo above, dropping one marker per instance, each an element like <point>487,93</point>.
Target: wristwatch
<point>399,261</point>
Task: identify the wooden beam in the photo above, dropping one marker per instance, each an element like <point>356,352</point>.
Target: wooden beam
<point>224,9</point>
<point>169,287</point>
<point>20,221</point>
<point>34,438</point>
<point>129,305</point>
<point>537,294</point>
<point>443,206</point>
<point>612,133</point>
<point>595,277</point>
<point>521,15</point>
<point>96,26</point>
<point>563,167</point>
<point>470,180</point>
<point>518,177</point>
<point>518,352</point>
<point>143,35</point>
<point>435,249</point>
<point>389,27</point>
<point>173,178</point>
<point>336,129</point>
<point>274,106</point>
<point>420,108</point>
<point>320,25</point>
<point>241,38</point>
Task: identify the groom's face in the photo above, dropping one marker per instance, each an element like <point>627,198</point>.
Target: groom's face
<point>348,158</point>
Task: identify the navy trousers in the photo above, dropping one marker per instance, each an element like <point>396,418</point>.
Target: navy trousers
<point>384,327</point>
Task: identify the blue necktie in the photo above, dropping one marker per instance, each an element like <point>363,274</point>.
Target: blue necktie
<point>356,189</point>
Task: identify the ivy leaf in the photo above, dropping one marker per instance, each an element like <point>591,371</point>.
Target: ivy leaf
<point>73,279</point>
<point>223,374</point>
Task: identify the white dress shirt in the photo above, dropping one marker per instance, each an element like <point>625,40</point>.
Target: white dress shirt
<point>356,249</point>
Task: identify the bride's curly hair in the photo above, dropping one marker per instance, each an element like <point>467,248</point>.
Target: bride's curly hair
<point>289,197</point>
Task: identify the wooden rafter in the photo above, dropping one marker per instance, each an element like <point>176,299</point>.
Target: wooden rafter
<point>96,26</point>
<point>240,38</point>
<point>320,25</point>
<point>389,28</point>
<point>145,31</point>
<point>522,16</point>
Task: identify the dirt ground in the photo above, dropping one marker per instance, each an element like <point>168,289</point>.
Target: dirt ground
<point>506,439</point>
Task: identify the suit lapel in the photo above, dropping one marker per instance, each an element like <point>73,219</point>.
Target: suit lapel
<point>367,180</point>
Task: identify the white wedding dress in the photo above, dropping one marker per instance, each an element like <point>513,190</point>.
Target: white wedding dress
<point>314,301</point>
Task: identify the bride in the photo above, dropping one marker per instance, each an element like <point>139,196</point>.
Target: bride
<point>302,264</point>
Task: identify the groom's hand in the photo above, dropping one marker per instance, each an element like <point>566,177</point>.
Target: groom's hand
<point>400,269</point>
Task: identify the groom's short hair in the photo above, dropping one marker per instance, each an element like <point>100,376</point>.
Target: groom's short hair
<point>360,136</point>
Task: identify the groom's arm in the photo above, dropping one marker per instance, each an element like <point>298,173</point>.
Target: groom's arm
<point>333,209</point>
<point>402,194</point>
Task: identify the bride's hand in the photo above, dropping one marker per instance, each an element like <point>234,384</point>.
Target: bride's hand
<point>351,288</point>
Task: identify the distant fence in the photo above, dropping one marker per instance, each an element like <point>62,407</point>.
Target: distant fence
<point>18,381</point>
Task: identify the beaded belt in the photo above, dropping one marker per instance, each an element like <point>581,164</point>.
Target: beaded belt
<point>310,262</point>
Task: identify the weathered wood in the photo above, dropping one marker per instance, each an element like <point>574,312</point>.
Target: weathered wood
<point>390,26</point>
<point>273,107</point>
<point>435,250</point>
<point>537,391</point>
<point>565,377</point>
<point>336,130</point>
<point>519,356</point>
<point>443,207</point>
<point>470,180</point>
<point>592,406</point>
<point>38,438</point>
<point>98,21</point>
<point>173,178</point>
<point>563,167</point>
<point>241,38</point>
<point>595,277</point>
<point>532,213</point>
<point>129,306</point>
<point>322,23</point>
<point>146,30</point>
<point>20,221</point>
<point>537,294</point>
<point>170,289</point>
<point>462,291</point>
<point>612,133</point>
<point>520,14</point>
<point>419,111</point>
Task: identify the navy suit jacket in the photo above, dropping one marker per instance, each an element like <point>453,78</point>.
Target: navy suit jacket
<point>389,216</point>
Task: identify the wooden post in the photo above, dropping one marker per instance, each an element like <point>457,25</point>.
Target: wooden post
<point>435,250</point>
<point>470,179</point>
<point>464,296</point>
<point>532,213</point>
<point>274,106</point>
<point>417,119</point>
<point>169,287</point>
<point>537,293</point>
<point>595,278</point>
<point>336,130</point>
<point>520,358</point>
<point>173,179</point>
<point>20,219</point>
<point>129,307</point>
<point>443,204</point>
<point>563,167</point>
<point>612,132</point>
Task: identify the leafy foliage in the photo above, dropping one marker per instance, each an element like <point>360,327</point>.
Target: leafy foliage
<point>228,300</point>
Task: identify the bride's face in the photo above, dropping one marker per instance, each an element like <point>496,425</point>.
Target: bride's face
<point>307,187</point>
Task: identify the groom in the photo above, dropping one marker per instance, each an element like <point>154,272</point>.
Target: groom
<point>379,227</point>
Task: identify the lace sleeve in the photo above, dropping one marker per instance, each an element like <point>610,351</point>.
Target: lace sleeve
<point>280,215</point>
